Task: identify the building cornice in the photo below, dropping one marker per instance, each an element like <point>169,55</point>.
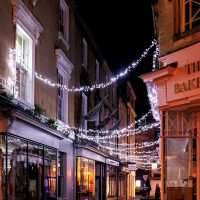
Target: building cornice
<point>23,16</point>
<point>163,72</point>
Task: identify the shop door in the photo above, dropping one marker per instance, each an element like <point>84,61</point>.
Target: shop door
<point>100,181</point>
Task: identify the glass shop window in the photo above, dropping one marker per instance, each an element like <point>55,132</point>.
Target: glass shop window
<point>62,169</point>
<point>2,167</point>
<point>50,174</point>
<point>85,179</point>
<point>180,179</point>
<point>35,171</point>
<point>112,181</point>
<point>17,175</point>
<point>122,185</point>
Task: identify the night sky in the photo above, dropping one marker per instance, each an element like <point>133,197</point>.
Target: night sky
<point>122,30</point>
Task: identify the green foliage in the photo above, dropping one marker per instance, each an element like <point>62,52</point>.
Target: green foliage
<point>52,123</point>
<point>38,110</point>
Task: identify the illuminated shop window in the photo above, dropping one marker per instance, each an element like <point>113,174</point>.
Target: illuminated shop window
<point>2,167</point>
<point>85,178</point>
<point>111,181</point>
<point>31,170</point>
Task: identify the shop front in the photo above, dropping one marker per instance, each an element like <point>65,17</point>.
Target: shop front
<point>126,182</point>
<point>96,176</point>
<point>90,175</point>
<point>178,91</point>
<point>33,164</point>
<point>112,179</point>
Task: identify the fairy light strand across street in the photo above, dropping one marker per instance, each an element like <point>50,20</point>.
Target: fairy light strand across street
<point>102,85</point>
<point>133,146</point>
<point>130,132</point>
<point>67,128</point>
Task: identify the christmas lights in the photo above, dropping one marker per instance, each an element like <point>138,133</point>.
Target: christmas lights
<point>66,127</point>
<point>102,85</point>
<point>156,57</point>
<point>129,150</point>
<point>153,98</point>
<point>140,145</point>
<point>117,134</point>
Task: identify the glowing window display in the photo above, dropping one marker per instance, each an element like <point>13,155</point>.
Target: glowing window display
<point>85,178</point>
<point>30,170</point>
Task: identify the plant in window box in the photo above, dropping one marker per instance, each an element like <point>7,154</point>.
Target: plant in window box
<point>38,110</point>
<point>52,123</point>
<point>29,112</point>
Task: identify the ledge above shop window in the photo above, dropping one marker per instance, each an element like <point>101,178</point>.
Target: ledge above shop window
<point>63,33</point>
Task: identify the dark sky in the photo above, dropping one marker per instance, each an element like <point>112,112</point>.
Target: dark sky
<point>122,30</point>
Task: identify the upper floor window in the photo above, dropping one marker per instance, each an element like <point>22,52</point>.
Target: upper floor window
<point>28,30</point>
<point>61,97</point>
<point>64,22</point>
<point>24,68</point>
<point>97,71</point>
<point>64,67</point>
<point>84,109</point>
<point>84,53</point>
<point>187,15</point>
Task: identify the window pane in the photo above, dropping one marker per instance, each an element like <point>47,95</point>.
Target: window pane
<point>35,171</point>
<point>62,167</point>
<point>50,173</point>
<point>112,181</point>
<point>24,77</point>
<point>179,180</point>
<point>17,169</point>
<point>85,179</point>
<point>2,167</point>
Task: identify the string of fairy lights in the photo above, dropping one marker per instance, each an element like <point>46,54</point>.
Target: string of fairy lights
<point>103,137</point>
<point>108,83</point>
<point>132,132</point>
<point>66,127</point>
<point>134,146</point>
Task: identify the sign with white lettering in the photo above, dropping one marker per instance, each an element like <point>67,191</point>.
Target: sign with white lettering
<point>112,162</point>
<point>132,167</point>
<point>184,83</point>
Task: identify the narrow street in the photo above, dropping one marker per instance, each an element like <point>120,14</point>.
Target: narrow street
<point>99,100</point>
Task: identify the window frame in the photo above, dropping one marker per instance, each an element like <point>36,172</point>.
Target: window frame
<point>180,14</point>
<point>84,53</point>
<point>97,71</point>
<point>64,67</point>
<point>84,109</point>
<point>25,19</point>
<point>29,70</point>
<point>64,37</point>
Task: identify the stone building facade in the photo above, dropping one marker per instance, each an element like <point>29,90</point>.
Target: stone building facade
<point>50,39</point>
<point>177,84</point>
